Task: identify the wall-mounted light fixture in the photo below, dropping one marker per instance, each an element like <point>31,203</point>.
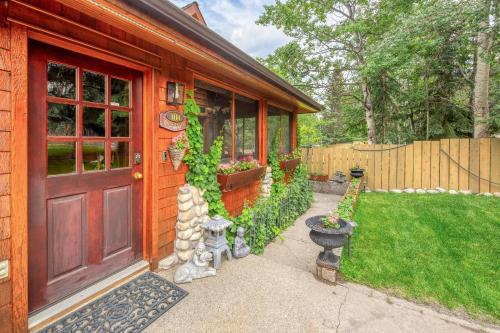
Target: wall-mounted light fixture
<point>175,93</point>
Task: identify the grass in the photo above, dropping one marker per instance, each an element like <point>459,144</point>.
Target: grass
<point>434,248</point>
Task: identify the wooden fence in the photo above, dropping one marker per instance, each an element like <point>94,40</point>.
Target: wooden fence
<point>453,164</point>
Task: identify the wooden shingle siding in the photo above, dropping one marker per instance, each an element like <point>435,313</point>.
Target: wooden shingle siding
<point>5,127</point>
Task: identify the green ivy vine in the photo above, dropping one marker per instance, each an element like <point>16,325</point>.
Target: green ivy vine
<point>274,160</point>
<point>202,171</point>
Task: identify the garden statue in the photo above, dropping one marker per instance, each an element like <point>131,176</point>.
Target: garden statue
<point>216,239</point>
<point>240,249</point>
<point>197,267</point>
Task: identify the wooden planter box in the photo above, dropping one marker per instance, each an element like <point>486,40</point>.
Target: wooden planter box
<point>289,165</point>
<point>236,180</point>
<point>319,178</point>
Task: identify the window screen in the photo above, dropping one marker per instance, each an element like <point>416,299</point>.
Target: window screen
<point>215,117</point>
<point>246,135</point>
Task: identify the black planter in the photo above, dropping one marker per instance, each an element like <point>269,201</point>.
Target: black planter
<point>358,173</point>
<point>329,239</point>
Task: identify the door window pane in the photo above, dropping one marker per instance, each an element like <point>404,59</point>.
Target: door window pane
<point>120,157</point>
<point>246,131</point>
<point>61,80</point>
<point>94,122</point>
<point>215,117</point>
<point>61,158</point>
<point>94,156</point>
<point>61,119</point>
<point>119,92</point>
<point>94,87</point>
<point>120,121</point>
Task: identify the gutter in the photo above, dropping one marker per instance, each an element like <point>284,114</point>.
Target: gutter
<point>171,15</point>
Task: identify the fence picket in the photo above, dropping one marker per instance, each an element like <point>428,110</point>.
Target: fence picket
<point>458,164</point>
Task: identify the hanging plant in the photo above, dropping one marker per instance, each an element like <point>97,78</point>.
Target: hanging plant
<point>178,149</point>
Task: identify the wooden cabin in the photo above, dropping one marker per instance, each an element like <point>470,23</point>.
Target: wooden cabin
<point>86,189</point>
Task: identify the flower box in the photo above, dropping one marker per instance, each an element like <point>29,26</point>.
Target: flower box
<point>236,180</point>
<point>289,165</point>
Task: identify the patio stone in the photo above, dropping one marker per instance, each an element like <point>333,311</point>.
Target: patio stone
<point>420,191</point>
<point>453,192</point>
<point>466,192</point>
<point>440,189</point>
<point>432,191</point>
<point>409,190</point>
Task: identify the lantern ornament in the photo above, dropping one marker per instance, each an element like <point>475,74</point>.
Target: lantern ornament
<point>175,93</point>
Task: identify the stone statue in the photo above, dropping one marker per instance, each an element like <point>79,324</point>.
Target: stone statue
<point>240,248</point>
<point>197,267</point>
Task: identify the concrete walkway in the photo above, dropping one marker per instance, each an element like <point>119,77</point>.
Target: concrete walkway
<point>277,292</point>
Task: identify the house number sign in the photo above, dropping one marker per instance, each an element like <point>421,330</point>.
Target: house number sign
<point>173,120</point>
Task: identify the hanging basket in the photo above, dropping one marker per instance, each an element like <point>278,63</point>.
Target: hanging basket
<point>176,155</point>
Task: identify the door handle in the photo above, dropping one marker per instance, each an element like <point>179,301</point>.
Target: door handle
<point>137,175</point>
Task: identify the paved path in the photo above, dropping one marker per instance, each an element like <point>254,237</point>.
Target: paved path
<point>277,292</point>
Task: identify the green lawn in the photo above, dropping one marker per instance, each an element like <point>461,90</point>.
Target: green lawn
<point>433,248</point>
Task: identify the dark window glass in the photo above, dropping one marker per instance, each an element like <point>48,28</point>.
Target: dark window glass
<point>119,92</point>
<point>120,121</point>
<point>273,128</point>
<point>61,158</point>
<point>94,122</point>
<point>286,132</point>
<point>215,117</point>
<point>120,157</point>
<point>246,131</point>
<point>94,156</point>
<point>61,80</point>
<point>94,87</point>
<point>61,119</point>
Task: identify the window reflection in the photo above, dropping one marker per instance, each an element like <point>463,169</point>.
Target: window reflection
<point>61,158</point>
<point>61,80</point>
<point>120,157</point>
<point>94,87</point>
<point>120,121</point>
<point>94,122</point>
<point>119,92</point>
<point>94,156</point>
<point>61,119</point>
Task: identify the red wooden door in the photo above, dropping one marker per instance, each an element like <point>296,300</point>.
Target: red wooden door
<point>85,145</point>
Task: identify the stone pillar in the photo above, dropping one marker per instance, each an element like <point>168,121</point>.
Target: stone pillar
<point>193,212</point>
<point>267,182</point>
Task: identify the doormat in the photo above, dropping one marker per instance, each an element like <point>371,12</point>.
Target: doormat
<point>129,308</point>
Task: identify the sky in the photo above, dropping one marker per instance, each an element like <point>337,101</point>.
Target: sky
<point>235,21</point>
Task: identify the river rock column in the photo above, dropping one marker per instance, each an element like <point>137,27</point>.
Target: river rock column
<point>267,182</point>
<point>193,211</point>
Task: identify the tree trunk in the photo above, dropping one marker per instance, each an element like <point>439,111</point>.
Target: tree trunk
<point>370,119</point>
<point>482,78</point>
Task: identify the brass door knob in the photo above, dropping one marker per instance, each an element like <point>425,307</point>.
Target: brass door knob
<point>137,175</point>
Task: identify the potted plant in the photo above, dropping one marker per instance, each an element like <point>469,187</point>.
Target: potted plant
<point>178,149</point>
<point>236,174</point>
<point>288,162</point>
<point>357,171</point>
<point>328,231</point>
<point>319,177</point>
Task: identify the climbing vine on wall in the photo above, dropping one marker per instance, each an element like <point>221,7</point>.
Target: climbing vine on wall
<point>202,171</point>
<point>274,161</point>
